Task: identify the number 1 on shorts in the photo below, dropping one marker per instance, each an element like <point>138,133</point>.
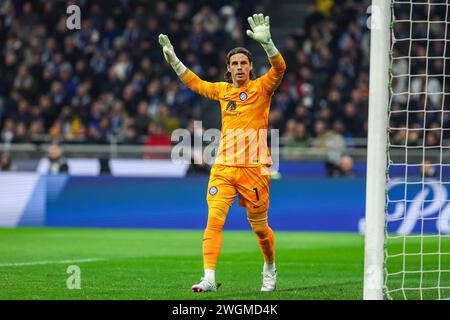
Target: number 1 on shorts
<point>256,191</point>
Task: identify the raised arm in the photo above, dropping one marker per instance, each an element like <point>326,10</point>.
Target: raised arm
<point>260,32</point>
<point>207,89</point>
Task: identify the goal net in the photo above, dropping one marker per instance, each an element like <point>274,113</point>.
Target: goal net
<point>417,220</point>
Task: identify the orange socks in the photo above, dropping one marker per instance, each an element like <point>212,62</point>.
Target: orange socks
<point>212,237</point>
<point>212,242</point>
<point>264,233</point>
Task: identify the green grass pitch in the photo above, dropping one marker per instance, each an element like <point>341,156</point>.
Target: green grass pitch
<point>164,264</point>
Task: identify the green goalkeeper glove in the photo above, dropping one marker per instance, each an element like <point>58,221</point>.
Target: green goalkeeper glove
<point>261,32</point>
<point>170,56</point>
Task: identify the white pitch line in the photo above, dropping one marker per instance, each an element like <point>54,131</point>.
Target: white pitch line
<point>35,263</point>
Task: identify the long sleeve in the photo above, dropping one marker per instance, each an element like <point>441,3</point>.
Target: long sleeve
<point>272,79</point>
<point>210,90</point>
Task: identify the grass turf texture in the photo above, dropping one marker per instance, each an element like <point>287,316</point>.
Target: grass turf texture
<point>160,264</point>
<point>163,264</point>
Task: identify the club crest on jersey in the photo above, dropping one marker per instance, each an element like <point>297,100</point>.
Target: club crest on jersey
<point>243,96</point>
<point>213,191</point>
<point>231,106</point>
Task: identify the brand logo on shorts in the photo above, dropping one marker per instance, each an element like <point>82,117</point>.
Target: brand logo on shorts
<point>243,96</point>
<point>213,191</point>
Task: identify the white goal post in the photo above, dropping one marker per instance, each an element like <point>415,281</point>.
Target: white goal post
<point>407,224</point>
<point>376,149</point>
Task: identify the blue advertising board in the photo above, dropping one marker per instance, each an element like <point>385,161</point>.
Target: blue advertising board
<point>296,204</point>
<point>309,204</point>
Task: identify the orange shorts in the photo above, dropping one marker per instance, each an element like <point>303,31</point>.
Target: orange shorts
<point>250,183</point>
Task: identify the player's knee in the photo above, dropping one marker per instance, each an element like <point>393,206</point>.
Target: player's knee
<point>214,224</point>
<point>218,210</point>
<point>259,226</point>
<point>261,232</point>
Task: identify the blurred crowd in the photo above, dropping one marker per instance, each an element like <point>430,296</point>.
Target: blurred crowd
<point>108,81</point>
<point>323,99</point>
<point>424,93</point>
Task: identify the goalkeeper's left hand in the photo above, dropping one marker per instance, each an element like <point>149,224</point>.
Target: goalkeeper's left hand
<point>260,32</point>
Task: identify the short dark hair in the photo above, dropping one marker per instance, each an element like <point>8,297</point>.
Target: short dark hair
<point>231,53</point>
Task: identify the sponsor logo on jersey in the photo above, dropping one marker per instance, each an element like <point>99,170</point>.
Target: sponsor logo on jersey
<point>231,106</point>
<point>236,114</point>
<point>243,96</point>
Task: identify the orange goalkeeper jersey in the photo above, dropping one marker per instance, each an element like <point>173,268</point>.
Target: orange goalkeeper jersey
<point>245,114</point>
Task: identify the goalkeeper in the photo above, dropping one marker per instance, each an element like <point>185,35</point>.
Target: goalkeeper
<point>239,168</point>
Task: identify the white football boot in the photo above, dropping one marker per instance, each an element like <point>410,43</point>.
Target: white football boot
<point>269,281</point>
<point>204,286</point>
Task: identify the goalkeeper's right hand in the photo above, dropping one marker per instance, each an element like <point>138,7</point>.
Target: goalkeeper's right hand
<point>170,56</point>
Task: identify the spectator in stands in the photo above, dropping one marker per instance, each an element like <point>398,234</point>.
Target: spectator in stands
<point>324,7</point>
<point>300,137</point>
<point>352,121</point>
<point>6,163</point>
<point>288,132</point>
<point>58,163</point>
<point>207,19</point>
<point>432,139</point>
<point>346,167</point>
<point>104,130</point>
<point>157,137</point>
<point>427,170</point>
<point>165,117</point>
<point>131,136</point>
<point>37,130</point>
<point>142,118</point>
<point>326,137</point>
<point>23,80</point>
<point>8,131</point>
<point>104,166</point>
<point>303,114</point>
<point>21,135</point>
<point>433,89</point>
<point>343,169</point>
